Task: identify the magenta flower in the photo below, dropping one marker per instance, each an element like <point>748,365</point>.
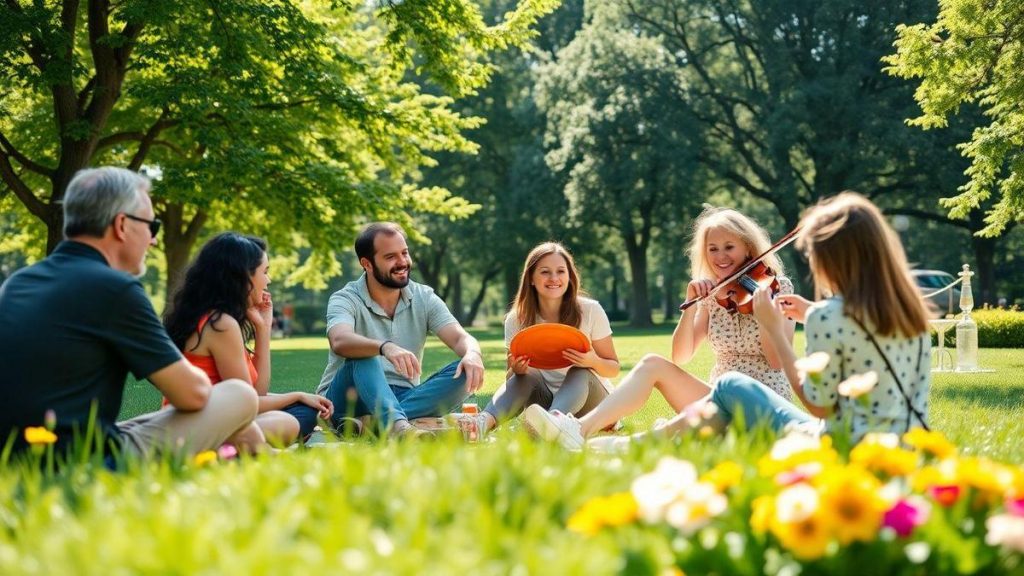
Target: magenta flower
<point>1015,506</point>
<point>906,515</point>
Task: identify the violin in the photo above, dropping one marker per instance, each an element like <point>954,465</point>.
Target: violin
<point>736,293</point>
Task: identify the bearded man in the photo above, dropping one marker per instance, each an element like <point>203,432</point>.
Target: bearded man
<point>377,326</point>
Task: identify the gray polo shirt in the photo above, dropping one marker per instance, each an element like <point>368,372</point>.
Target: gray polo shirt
<point>419,312</point>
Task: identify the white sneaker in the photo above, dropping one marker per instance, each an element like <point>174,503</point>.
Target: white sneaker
<point>554,426</point>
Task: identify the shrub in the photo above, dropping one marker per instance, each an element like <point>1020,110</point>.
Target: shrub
<point>999,328</point>
<point>308,317</point>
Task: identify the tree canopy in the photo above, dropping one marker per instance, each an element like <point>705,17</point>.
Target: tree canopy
<point>295,119</point>
<point>972,55</point>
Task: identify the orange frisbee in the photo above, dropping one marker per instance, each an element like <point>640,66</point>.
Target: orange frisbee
<point>543,344</point>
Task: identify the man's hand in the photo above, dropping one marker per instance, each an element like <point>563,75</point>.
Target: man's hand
<point>406,363</point>
<point>473,365</point>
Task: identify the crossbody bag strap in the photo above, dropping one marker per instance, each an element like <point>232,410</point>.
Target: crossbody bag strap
<point>906,397</point>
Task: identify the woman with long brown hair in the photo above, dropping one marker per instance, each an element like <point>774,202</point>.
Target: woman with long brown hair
<point>549,291</point>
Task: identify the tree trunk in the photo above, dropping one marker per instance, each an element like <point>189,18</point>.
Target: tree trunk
<point>474,308</point>
<point>455,293</point>
<point>511,284</point>
<point>54,220</point>
<point>179,239</point>
<point>983,284</point>
<point>640,309</point>
<point>615,287</point>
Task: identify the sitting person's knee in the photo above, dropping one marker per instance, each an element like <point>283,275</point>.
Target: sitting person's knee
<point>651,360</point>
<point>239,396</point>
<point>733,381</point>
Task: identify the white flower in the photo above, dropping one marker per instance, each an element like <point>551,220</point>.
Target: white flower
<point>858,384</point>
<point>884,439</point>
<point>695,508</point>
<point>918,552</point>
<point>794,443</point>
<point>1005,530</point>
<point>796,503</point>
<point>813,364</point>
<point>655,491</point>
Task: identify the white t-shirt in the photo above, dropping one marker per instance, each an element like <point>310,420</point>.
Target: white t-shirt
<point>594,325</point>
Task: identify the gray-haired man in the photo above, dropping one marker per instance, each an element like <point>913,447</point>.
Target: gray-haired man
<point>73,326</point>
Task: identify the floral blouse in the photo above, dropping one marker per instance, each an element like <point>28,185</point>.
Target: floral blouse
<point>736,342</point>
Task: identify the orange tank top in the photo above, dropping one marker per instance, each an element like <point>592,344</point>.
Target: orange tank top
<point>208,365</point>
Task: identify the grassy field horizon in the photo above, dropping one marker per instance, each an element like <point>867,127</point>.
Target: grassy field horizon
<point>982,412</point>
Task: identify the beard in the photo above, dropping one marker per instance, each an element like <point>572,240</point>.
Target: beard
<point>387,280</point>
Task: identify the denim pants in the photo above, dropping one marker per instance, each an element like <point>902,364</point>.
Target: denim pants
<point>437,395</point>
<point>737,394</point>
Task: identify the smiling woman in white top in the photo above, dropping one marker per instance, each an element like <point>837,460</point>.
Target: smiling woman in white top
<point>549,292</point>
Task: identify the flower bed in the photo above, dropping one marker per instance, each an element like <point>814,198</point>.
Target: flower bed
<point>885,508</point>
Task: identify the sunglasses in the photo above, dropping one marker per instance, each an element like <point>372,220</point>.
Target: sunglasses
<point>154,224</point>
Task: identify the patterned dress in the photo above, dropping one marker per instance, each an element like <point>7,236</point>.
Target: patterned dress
<point>736,342</point>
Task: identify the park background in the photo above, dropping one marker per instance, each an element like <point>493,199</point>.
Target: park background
<point>484,128</point>
<point>606,126</point>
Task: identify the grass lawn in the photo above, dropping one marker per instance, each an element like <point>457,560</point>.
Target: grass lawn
<point>982,413</point>
<point>447,507</point>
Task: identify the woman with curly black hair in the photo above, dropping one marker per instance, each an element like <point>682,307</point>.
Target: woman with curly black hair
<point>223,304</point>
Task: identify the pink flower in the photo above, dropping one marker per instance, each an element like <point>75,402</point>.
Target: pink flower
<point>1015,506</point>
<point>227,451</point>
<point>906,515</point>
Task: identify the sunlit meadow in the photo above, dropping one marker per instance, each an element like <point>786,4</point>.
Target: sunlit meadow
<point>513,506</point>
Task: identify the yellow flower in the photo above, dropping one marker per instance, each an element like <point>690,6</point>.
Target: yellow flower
<point>615,510</point>
<point>942,474</point>
<point>933,443</point>
<point>991,481</point>
<point>205,457</point>
<point>724,476</point>
<point>881,453</point>
<point>38,436</point>
<point>762,512</point>
<point>585,521</point>
<point>807,539</point>
<point>851,500</point>
<point>620,509</point>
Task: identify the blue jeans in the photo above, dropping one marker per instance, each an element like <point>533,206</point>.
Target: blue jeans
<point>736,394</point>
<point>436,395</point>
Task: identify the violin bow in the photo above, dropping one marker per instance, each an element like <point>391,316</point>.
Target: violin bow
<point>782,243</point>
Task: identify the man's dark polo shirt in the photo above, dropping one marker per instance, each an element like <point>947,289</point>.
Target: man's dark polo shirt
<point>71,327</point>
